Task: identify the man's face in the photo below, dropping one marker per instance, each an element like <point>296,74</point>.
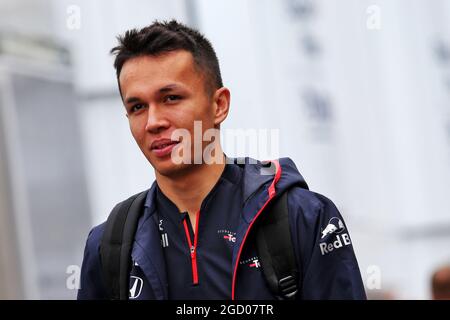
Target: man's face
<point>161,94</point>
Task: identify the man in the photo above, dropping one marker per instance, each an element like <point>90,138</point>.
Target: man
<point>440,283</point>
<point>193,238</point>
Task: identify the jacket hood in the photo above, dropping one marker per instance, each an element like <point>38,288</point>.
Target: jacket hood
<point>282,173</point>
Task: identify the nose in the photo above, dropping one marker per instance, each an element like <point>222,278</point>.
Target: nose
<point>156,122</point>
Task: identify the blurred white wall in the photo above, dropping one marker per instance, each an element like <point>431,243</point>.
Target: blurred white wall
<point>360,91</point>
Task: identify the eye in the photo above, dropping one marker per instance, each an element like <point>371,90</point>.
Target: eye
<point>137,107</point>
<point>172,98</point>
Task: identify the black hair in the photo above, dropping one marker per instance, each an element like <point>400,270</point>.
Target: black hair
<point>162,37</point>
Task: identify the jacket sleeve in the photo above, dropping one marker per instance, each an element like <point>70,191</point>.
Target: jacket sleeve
<point>324,250</point>
<point>91,282</point>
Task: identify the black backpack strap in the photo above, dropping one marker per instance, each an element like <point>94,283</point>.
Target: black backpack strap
<point>276,252</point>
<point>116,245</point>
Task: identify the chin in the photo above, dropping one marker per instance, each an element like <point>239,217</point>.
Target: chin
<point>167,168</point>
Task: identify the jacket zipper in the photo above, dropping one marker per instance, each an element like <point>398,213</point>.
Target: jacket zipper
<point>193,247</point>
<point>271,191</point>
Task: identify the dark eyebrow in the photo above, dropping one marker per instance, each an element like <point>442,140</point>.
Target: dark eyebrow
<point>165,89</point>
<point>131,100</point>
<point>169,88</point>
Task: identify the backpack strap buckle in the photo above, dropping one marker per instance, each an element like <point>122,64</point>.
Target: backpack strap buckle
<point>288,287</point>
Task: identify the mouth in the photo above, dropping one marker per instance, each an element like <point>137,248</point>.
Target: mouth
<point>162,148</point>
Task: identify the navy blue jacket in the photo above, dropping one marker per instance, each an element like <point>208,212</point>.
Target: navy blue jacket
<point>329,269</point>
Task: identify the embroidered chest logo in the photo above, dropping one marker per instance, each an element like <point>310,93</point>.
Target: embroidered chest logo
<point>136,284</point>
<point>136,287</point>
<point>227,235</point>
<point>252,262</point>
<point>164,238</point>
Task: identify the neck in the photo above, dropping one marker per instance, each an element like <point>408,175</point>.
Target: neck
<point>188,190</point>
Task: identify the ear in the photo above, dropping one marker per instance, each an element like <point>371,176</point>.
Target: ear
<point>221,102</point>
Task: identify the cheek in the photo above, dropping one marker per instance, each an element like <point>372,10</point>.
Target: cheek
<point>137,130</point>
<point>204,112</point>
<point>208,117</point>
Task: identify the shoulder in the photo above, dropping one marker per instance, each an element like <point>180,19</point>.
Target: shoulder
<point>92,248</point>
<point>309,205</point>
<point>311,213</point>
<point>95,237</point>
<point>96,233</point>
<point>91,283</point>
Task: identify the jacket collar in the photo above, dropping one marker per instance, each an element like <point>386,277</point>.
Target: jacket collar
<point>147,250</point>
